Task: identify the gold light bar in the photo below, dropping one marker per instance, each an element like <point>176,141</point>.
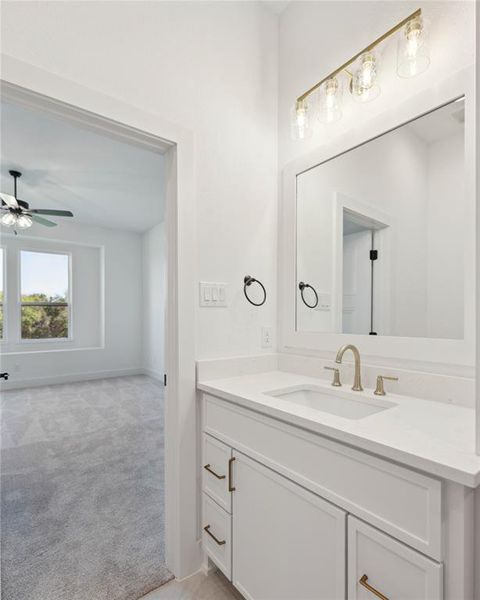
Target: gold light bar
<point>370,47</point>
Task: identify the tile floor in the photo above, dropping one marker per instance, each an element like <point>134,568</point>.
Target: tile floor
<point>197,587</point>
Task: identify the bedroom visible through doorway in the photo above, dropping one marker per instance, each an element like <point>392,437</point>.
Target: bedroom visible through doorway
<point>83,343</point>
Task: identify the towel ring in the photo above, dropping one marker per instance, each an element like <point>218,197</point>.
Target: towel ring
<point>247,281</point>
<point>301,287</point>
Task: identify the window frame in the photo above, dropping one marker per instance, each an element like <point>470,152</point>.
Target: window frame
<point>68,303</point>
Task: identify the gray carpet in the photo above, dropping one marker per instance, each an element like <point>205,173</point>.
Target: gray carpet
<point>82,495</point>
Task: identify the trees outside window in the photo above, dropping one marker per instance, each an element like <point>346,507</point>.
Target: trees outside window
<point>44,295</point>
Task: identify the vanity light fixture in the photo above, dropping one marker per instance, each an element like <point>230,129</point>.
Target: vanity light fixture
<point>362,70</point>
<point>363,83</point>
<point>330,101</point>
<point>413,56</point>
<point>301,120</point>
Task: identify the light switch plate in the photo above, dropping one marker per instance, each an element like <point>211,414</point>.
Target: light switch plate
<point>213,295</point>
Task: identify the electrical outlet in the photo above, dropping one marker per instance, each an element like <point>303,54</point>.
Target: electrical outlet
<point>267,335</point>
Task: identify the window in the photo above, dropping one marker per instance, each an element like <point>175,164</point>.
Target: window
<point>44,294</point>
<point>2,289</point>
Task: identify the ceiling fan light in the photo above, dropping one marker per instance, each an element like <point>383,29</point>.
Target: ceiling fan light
<point>24,221</point>
<point>9,219</point>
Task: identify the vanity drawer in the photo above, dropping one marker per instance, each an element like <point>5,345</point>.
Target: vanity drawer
<point>390,568</point>
<point>405,504</point>
<point>216,535</point>
<point>216,471</point>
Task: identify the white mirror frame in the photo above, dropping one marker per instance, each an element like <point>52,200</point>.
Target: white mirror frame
<point>456,357</point>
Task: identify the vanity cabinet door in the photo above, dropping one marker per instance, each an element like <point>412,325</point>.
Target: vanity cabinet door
<point>381,567</point>
<point>287,542</point>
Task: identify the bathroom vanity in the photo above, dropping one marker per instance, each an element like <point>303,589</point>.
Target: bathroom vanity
<point>312,491</point>
<point>316,492</point>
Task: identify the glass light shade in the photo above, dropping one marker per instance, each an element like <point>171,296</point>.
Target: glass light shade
<point>364,85</point>
<point>330,108</point>
<point>413,56</point>
<point>24,221</point>
<point>8,219</point>
<point>300,121</point>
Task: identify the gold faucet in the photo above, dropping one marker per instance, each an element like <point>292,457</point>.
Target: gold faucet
<point>380,389</point>
<point>357,379</point>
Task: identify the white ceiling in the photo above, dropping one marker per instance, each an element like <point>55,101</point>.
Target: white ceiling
<point>103,180</point>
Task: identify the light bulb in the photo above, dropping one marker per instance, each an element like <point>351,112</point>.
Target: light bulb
<point>300,121</point>
<point>413,56</point>
<point>363,85</point>
<point>330,101</point>
<point>9,219</point>
<point>367,72</point>
<point>24,221</point>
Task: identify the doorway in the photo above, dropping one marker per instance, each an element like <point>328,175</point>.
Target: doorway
<point>118,120</point>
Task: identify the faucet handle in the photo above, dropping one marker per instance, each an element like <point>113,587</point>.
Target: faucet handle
<point>380,390</point>
<point>336,376</point>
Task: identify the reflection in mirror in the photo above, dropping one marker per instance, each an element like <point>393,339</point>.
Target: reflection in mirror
<point>379,234</point>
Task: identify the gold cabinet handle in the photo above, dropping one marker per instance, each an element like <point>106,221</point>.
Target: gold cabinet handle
<point>219,542</point>
<point>231,488</point>
<point>364,581</point>
<point>210,470</point>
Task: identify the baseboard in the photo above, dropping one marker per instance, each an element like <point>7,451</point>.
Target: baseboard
<point>201,570</point>
<point>154,374</point>
<point>13,384</point>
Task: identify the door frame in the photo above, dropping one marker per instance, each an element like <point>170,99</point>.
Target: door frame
<point>385,222</point>
<point>29,85</point>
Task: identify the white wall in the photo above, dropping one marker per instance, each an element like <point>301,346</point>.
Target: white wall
<point>446,228</point>
<point>316,37</point>
<point>122,352</point>
<point>154,298</point>
<point>212,67</point>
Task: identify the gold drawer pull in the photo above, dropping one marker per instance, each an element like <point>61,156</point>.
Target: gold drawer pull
<point>231,488</point>
<point>210,470</point>
<point>219,542</point>
<point>363,581</point>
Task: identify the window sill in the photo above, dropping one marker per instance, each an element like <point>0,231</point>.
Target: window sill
<point>41,350</point>
<point>44,341</point>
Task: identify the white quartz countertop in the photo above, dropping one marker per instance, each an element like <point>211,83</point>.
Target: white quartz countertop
<point>433,437</point>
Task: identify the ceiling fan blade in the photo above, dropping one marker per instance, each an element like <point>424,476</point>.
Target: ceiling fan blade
<point>42,221</point>
<point>10,201</point>
<point>53,213</point>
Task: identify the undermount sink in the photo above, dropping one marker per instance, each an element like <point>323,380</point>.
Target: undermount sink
<point>336,402</point>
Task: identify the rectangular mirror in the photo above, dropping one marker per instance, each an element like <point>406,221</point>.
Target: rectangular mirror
<point>379,234</point>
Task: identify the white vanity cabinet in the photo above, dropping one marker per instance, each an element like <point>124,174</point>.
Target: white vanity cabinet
<point>216,471</point>
<point>312,519</point>
<point>286,542</point>
<point>380,566</point>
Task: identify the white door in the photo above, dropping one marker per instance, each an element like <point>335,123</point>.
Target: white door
<point>288,544</point>
<point>357,281</point>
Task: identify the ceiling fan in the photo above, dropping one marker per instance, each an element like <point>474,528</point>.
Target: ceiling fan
<point>17,213</point>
